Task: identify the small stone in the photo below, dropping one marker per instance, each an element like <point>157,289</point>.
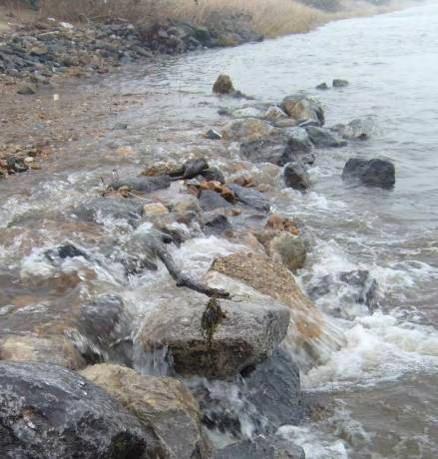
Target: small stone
<point>212,134</point>
<point>39,50</point>
<point>29,160</point>
<point>223,85</point>
<point>26,89</point>
<point>154,209</point>
<point>322,86</point>
<point>120,126</point>
<point>338,83</point>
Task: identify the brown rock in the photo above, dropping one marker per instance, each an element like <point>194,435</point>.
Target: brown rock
<point>223,85</point>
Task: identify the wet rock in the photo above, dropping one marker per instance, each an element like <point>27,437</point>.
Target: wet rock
<point>323,138</point>
<point>54,349</point>
<point>43,405</point>
<point>275,113</point>
<point>26,89</point>
<point>278,223</point>
<point>338,83</point>
<point>262,447</point>
<point>120,126</point>
<point>303,108</point>
<point>245,334</point>
<point>248,130</point>
<point>213,174</point>
<point>97,209</point>
<point>322,87</point>
<point>247,112</point>
<point>215,223</point>
<point>373,173</point>
<point>295,176</point>
<point>223,85</point>
<point>290,249</point>
<point>212,134</point>
<point>251,197</point>
<point>65,251</point>
<point>142,184</point>
<point>299,146</point>
<point>264,150</point>
<point>210,200</point>
<point>358,129</point>
<point>164,407</point>
<point>154,209</point>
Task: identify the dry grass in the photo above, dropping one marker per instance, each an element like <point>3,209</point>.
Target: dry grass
<point>269,17</point>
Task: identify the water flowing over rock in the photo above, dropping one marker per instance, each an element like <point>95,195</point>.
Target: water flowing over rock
<point>49,411</point>
<point>296,176</point>
<point>242,334</point>
<point>323,138</point>
<point>374,172</point>
<point>223,85</point>
<point>310,333</point>
<point>303,109</point>
<point>164,407</point>
<point>358,129</point>
<point>289,250</point>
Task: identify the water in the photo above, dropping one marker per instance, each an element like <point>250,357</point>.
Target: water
<point>382,383</point>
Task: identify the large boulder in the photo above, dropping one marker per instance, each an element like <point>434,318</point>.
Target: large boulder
<point>310,333</point>
<point>373,172</point>
<point>262,447</point>
<point>48,411</point>
<point>248,129</point>
<point>164,406</point>
<point>324,138</point>
<point>303,109</point>
<point>296,176</point>
<point>214,338</point>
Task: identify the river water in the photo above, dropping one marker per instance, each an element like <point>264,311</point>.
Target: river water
<point>382,384</point>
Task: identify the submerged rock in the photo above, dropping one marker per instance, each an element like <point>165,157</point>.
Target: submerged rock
<point>262,447</point>
<point>48,411</point>
<point>142,184</point>
<point>358,129</point>
<point>244,334</point>
<point>290,249</point>
<point>303,108</point>
<point>164,407</point>
<point>323,138</point>
<point>296,176</point>
<point>322,87</point>
<point>338,83</point>
<point>374,172</point>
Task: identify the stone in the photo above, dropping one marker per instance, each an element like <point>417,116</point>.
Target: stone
<point>49,411</point>
<point>275,113</point>
<point>215,223</point>
<point>295,176</point>
<point>323,138</point>
<point>303,108</point>
<point>290,250</point>
<point>357,129</point>
<point>26,89</point>
<point>213,174</point>
<point>211,200</point>
<point>248,129</point>
<point>251,197</point>
<point>164,406</point>
<point>338,83</point>
<point>212,134</point>
<point>39,50</point>
<point>142,184</point>
<point>264,150</point>
<point>154,209</point>
<point>223,85</point>
<point>372,173</point>
<point>247,112</point>
<point>242,333</point>
<point>322,87</point>
<point>262,447</point>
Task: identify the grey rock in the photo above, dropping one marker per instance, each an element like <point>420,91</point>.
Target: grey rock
<point>373,173</point>
<point>26,89</point>
<point>251,197</point>
<point>210,200</point>
<point>303,108</point>
<point>215,223</point>
<point>42,406</point>
<point>338,83</point>
<point>322,87</point>
<point>213,173</point>
<point>323,138</point>
<point>295,176</point>
<point>142,184</point>
<point>212,134</point>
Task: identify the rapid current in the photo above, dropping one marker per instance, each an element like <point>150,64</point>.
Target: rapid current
<point>382,385</point>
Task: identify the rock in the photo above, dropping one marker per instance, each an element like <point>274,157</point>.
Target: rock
<point>310,333</point>
<point>154,209</point>
<point>120,126</point>
<point>164,406</point>
<point>264,150</point>
<point>213,174</point>
<point>217,339</point>
<point>215,223</point>
<point>262,447</point>
<point>98,209</point>
<point>247,130</point>
<point>55,349</point>
<point>49,411</point>
<point>357,129</point>
<point>210,200</point>
<point>275,113</point>
<point>295,176</point>
<point>251,197</point>
<point>277,223</point>
<point>322,86</point>
<point>247,112</point>
<point>26,89</point>
<point>223,85</point>
<point>290,250</point>
<point>285,123</point>
<point>212,134</point>
<point>366,287</point>
<point>323,138</point>
<point>298,146</point>
<point>39,50</point>
<point>302,108</point>
<point>374,172</point>
<point>338,83</point>
<point>142,184</point>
